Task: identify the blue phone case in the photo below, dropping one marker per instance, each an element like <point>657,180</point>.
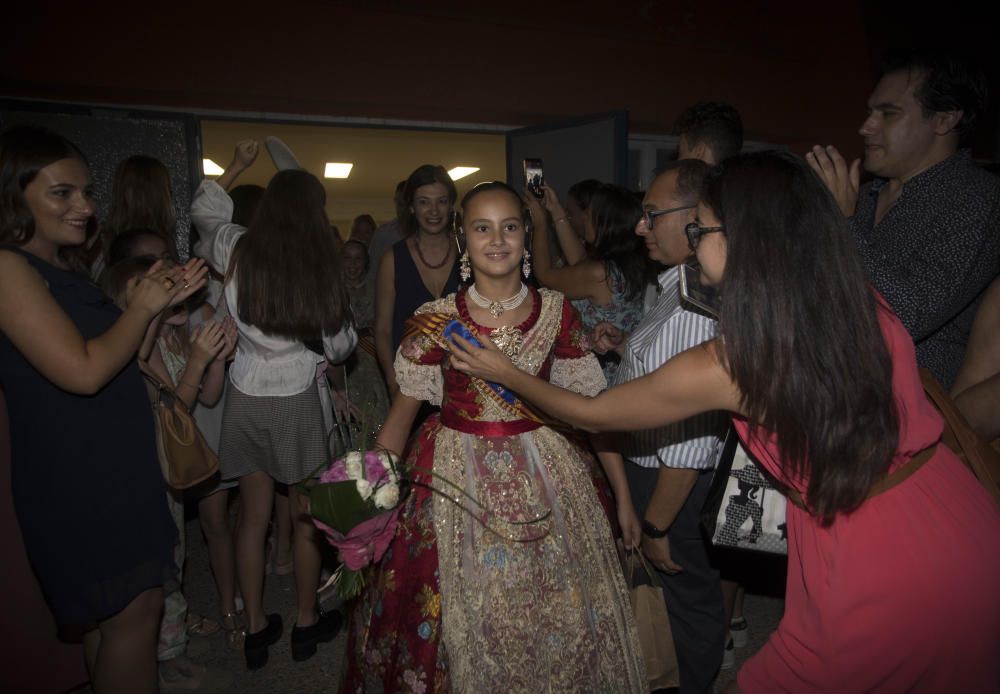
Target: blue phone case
<point>456,328</point>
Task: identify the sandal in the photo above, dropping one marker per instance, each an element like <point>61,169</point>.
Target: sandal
<point>237,633</point>
<point>201,626</point>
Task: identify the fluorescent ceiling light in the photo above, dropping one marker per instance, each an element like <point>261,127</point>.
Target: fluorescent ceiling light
<point>211,168</point>
<point>337,170</point>
<point>462,171</point>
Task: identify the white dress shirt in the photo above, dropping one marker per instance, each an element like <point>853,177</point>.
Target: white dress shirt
<point>665,331</point>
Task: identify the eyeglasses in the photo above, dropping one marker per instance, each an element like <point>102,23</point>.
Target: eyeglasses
<point>649,216</point>
<point>695,232</point>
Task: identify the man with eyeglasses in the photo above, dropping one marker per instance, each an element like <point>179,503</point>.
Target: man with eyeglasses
<point>928,225</point>
<point>670,468</point>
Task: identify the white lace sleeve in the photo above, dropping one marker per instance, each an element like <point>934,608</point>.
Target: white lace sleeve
<point>420,381</point>
<point>582,375</point>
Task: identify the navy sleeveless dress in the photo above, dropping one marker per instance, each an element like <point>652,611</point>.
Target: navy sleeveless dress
<point>88,492</point>
<point>411,292</point>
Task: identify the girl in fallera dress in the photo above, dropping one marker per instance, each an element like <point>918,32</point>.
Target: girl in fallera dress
<point>520,589</point>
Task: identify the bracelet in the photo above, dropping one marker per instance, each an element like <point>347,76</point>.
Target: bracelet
<point>190,385</point>
<point>561,219</point>
<point>650,530</point>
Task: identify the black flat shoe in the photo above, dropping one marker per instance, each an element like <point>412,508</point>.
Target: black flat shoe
<point>304,639</point>
<point>255,645</point>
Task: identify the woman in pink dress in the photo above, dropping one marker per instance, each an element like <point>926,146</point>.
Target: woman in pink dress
<point>892,542</point>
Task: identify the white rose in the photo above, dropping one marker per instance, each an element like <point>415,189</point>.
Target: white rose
<point>364,488</point>
<point>387,496</point>
<point>353,462</point>
<point>389,462</point>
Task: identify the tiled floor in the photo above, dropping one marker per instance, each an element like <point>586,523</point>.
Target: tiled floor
<point>321,674</point>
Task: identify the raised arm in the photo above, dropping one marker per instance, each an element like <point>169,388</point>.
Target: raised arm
<point>212,211</point>
<point>45,335</point>
<point>691,383</point>
<point>207,341</point>
<point>243,159</point>
<point>841,179</point>
<point>385,301</point>
<point>585,280</point>
<point>572,245</point>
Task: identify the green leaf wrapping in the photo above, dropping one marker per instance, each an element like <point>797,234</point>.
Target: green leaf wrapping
<point>338,505</point>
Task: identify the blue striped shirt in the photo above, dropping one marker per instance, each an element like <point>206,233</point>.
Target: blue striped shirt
<point>665,331</point>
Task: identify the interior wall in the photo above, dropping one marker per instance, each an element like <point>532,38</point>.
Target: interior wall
<point>798,74</point>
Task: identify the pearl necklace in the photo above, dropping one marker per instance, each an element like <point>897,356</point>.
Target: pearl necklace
<point>496,308</point>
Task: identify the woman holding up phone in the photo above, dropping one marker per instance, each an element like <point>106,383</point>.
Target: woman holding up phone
<point>88,492</point>
<point>821,378</point>
<point>608,286</point>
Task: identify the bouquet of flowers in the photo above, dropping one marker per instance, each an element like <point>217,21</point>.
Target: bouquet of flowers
<point>356,504</point>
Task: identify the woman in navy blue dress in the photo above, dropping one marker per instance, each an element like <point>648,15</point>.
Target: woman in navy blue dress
<point>88,492</point>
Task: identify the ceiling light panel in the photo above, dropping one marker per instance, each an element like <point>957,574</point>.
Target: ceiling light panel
<point>211,168</point>
<point>335,170</point>
<point>462,171</point>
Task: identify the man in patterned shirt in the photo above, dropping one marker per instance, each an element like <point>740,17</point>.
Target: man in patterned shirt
<point>928,225</point>
<point>670,468</point>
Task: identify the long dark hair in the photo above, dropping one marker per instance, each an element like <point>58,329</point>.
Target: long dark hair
<point>24,151</point>
<point>799,328</point>
<point>141,198</point>
<point>615,211</point>
<point>287,265</point>
<point>425,175</point>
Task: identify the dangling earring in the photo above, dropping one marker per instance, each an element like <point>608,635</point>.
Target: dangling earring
<point>464,269</point>
<point>526,264</point>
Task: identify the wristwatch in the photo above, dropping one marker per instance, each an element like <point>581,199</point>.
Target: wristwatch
<point>650,530</point>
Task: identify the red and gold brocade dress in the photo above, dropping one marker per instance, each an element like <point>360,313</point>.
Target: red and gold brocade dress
<point>525,592</point>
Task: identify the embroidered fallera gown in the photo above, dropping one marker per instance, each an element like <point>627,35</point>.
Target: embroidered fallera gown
<point>520,590</point>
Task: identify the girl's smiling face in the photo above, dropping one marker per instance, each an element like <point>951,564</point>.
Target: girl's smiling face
<point>495,233</point>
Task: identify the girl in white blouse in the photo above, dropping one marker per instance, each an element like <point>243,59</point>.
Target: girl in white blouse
<point>283,285</point>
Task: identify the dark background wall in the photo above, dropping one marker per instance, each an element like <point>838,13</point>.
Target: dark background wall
<point>799,72</point>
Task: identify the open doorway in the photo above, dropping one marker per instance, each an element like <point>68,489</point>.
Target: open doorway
<point>381,157</point>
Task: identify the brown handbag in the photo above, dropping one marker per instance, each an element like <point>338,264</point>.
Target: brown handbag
<point>185,457</point>
<point>981,457</point>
